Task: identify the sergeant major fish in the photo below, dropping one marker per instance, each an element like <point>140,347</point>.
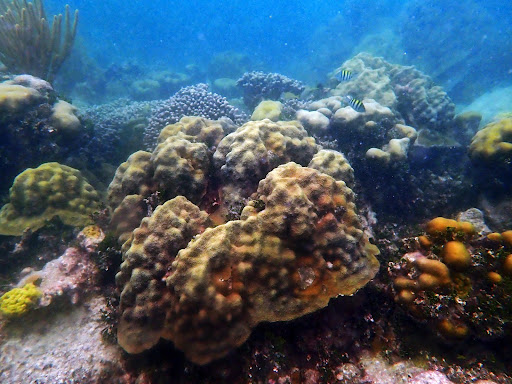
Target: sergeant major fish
<point>357,105</point>
<point>343,75</point>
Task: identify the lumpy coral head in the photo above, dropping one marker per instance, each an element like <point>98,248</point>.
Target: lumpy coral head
<point>279,263</point>
<point>493,143</point>
<point>146,260</point>
<point>245,156</point>
<point>52,189</point>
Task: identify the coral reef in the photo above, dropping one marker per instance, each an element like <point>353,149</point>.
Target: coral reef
<point>271,265</point>
<point>245,156</point>
<point>19,301</point>
<point>64,118</point>
<point>157,85</point>
<point>267,109</point>
<point>33,129</point>
<point>361,134</point>
<point>153,247</point>
<point>118,129</point>
<point>493,143</point>
<point>420,102</point>
<point>71,277</point>
<point>37,195</point>
<point>178,165</point>
<point>456,281</point>
<point>258,86</point>
<point>28,44</point>
<point>190,101</point>
<point>334,164</point>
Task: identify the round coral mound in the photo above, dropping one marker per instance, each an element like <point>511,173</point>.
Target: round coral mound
<point>52,189</point>
<point>298,244</point>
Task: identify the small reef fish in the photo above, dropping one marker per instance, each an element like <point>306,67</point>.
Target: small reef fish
<point>357,105</point>
<point>344,75</point>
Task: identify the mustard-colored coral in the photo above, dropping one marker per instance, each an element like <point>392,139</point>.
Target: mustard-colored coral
<point>147,258</point>
<point>245,156</point>
<point>195,129</point>
<point>267,109</point>
<point>493,143</point>
<point>52,189</point>
<point>19,301</point>
<point>298,244</point>
<point>334,164</point>
<point>133,177</point>
<point>14,97</point>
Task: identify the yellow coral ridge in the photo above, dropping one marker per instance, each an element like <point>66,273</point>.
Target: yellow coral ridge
<point>493,142</point>
<point>52,189</point>
<point>18,301</point>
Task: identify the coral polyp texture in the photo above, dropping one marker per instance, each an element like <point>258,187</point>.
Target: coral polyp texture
<point>179,165</point>
<point>298,244</point>
<point>456,281</point>
<point>334,164</point>
<point>145,300</point>
<point>493,143</point>
<point>245,156</point>
<point>19,301</point>
<point>52,189</point>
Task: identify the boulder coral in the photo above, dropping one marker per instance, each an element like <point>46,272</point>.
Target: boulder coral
<point>420,102</point>
<point>267,109</point>
<point>147,258</point>
<point>334,164</point>
<point>493,143</point>
<point>194,159</point>
<point>298,244</point>
<point>178,165</point>
<point>52,189</point>
<point>245,156</point>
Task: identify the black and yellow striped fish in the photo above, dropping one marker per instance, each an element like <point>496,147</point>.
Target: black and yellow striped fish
<point>344,75</point>
<point>357,105</point>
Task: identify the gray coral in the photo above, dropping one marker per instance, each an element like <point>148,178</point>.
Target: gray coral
<point>258,86</point>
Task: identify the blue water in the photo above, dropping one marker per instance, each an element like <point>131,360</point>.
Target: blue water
<point>304,40</point>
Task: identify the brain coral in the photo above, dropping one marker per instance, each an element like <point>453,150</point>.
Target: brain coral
<point>298,244</point>
<point>493,143</point>
<point>245,156</point>
<point>50,190</point>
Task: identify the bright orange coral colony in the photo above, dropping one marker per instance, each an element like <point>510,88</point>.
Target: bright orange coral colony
<point>471,276</point>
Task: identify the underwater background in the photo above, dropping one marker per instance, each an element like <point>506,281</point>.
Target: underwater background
<point>255,192</point>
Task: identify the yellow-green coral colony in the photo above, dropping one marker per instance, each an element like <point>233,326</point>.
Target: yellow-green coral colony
<point>493,143</point>
<point>39,194</point>
<point>19,301</point>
